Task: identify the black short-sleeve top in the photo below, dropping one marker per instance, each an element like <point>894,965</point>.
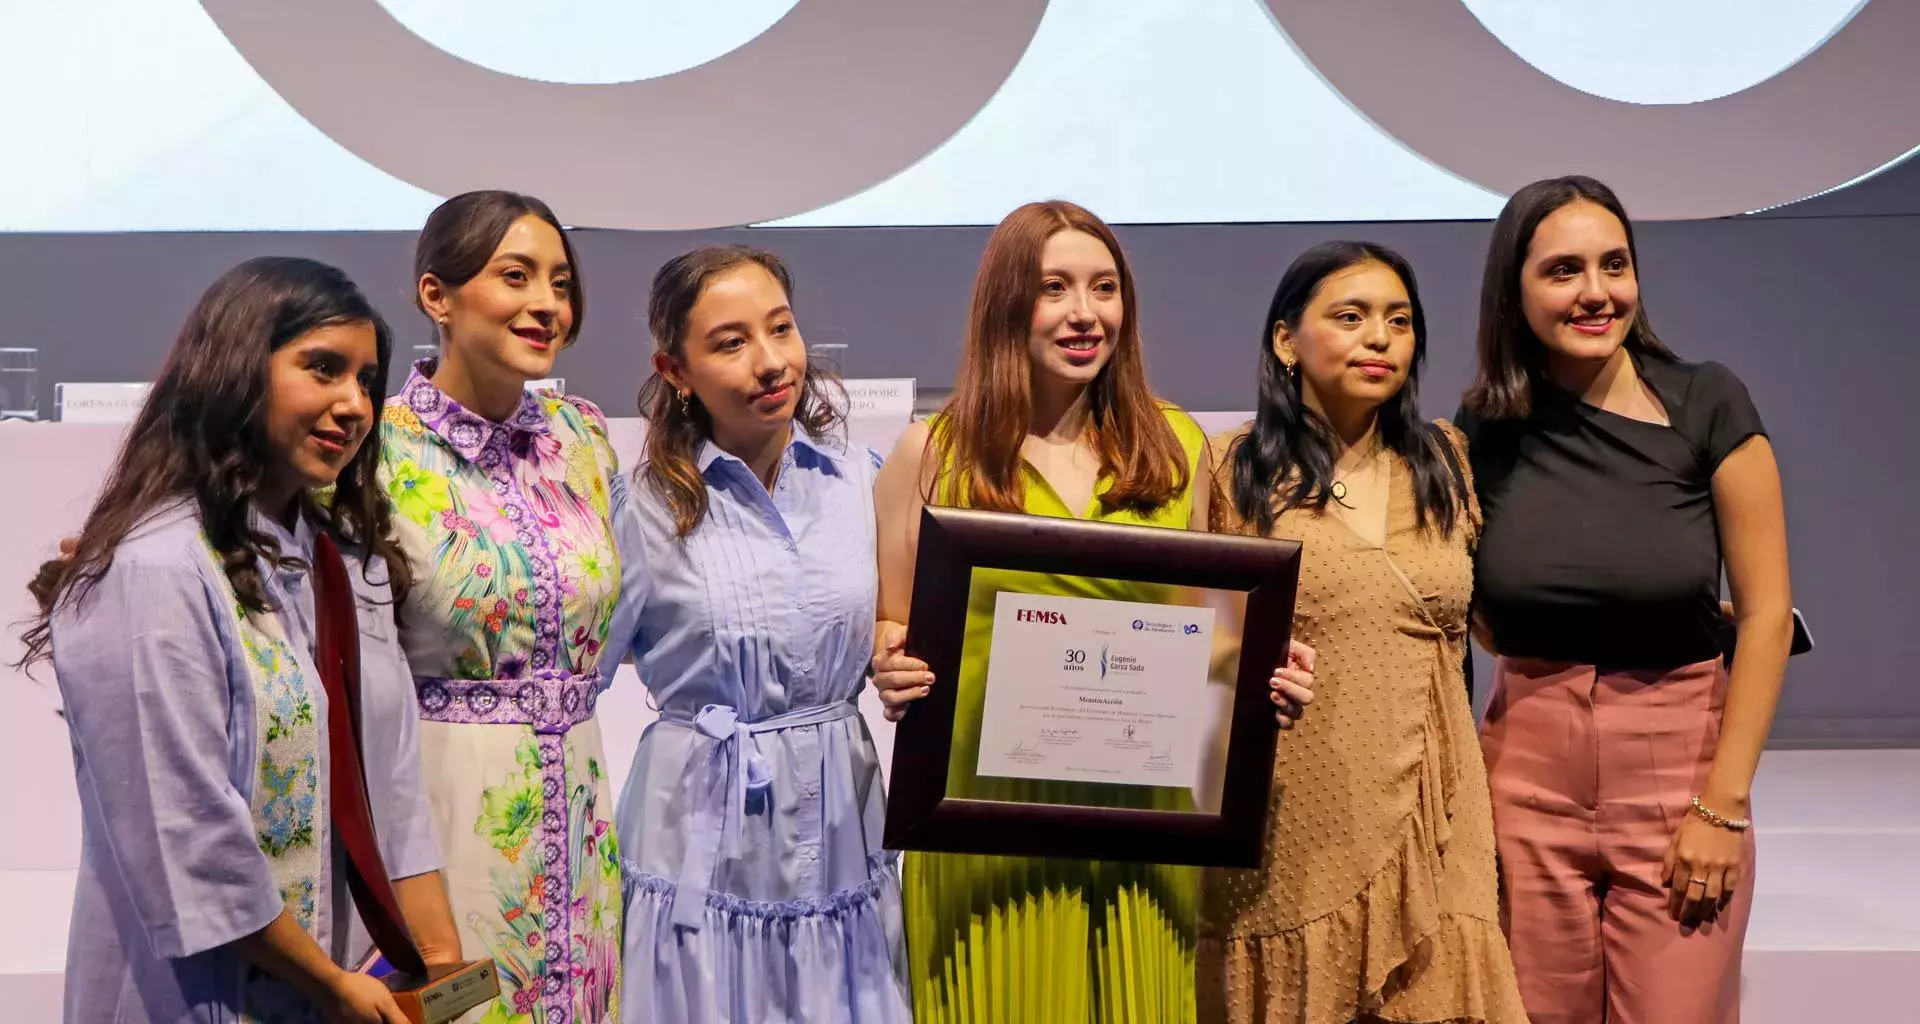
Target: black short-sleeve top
<point>1600,545</point>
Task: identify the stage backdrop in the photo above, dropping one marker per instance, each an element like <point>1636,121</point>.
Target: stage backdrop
<point>1812,311</point>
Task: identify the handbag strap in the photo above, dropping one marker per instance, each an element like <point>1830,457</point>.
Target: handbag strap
<point>338,657</point>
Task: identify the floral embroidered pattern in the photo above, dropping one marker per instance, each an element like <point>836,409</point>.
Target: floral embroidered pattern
<point>517,937</point>
<point>288,796</point>
<point>511,811</point>
<point>594,852</point>
<point>508,524</point>
<point>284,804</point>
<point>299,897</point>
<point>288,704</point>
<point>416,493</point>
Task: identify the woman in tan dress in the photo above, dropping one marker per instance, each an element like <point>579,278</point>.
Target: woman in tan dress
<point>1377,900</point>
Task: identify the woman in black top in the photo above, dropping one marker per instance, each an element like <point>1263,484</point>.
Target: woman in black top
<point>1614,479</point>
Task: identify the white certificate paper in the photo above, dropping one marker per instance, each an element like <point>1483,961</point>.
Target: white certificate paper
<point>1096,691</point>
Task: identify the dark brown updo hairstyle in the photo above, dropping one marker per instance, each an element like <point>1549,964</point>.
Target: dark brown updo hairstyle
<point>676,432</point>
<point>461,234</point>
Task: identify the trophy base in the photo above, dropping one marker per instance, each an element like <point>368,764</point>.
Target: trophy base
<point>446,992</point>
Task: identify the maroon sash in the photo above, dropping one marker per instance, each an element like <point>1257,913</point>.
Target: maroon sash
<point>337,653</point>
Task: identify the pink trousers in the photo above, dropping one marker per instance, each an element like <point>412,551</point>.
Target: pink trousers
<point>1591,773</point>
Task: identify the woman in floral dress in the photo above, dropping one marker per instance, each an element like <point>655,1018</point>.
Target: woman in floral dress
<point>500,498</point>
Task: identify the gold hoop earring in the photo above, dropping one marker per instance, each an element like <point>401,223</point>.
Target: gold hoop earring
<point>1293,368</point>
<point>685,407</point>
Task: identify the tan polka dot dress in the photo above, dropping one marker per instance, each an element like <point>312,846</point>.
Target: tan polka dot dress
<point>1377,899</point>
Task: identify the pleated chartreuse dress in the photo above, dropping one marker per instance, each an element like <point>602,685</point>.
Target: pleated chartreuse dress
<point>1027,939</point>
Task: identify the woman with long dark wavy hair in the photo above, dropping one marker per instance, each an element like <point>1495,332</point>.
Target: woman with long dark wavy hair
<point>1052,416</point>
<point>501,497</point>
<point>1377,897</point>
<point>756,887</point>
<point>1617,482</point>
<point>181,629</point>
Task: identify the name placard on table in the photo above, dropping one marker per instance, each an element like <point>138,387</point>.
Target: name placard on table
<point>880,396</point>
<point>98,403</point>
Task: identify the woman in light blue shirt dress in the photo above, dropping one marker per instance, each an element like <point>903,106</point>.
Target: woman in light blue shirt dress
<point>756,887</point>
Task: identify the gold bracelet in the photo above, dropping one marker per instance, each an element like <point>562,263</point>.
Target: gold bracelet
<point>1730,824</point>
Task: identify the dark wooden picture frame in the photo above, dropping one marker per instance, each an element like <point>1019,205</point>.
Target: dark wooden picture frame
<point>954,542</point>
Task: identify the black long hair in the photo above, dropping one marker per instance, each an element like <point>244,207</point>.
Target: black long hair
<point>201,435</point>
<point>1286,460</point>
<point>1511,359</point>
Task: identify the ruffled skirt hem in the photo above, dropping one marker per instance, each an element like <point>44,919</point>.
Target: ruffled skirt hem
<point>1391,953</point>
<point>838,957</point>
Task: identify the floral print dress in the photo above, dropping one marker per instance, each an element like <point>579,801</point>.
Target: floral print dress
<point>508,528</point>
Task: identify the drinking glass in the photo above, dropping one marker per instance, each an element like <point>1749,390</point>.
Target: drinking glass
<point>19,384</point>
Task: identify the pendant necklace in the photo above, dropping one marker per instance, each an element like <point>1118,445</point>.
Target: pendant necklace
<point>1339,488</point>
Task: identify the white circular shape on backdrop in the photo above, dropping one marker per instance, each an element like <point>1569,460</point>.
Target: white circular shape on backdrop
<point>1435,78</point>
<point>1663,51</point>
<point>588,41</point>
<point>804,114</point>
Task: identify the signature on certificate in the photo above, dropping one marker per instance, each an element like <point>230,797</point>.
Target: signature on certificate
<point>1025,752</point>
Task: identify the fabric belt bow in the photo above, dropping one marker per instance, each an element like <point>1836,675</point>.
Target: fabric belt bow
<point>730,770</point>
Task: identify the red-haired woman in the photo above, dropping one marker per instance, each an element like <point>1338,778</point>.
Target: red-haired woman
<point>1051,416</point>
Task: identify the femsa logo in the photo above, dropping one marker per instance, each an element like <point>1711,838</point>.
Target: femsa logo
<point>1039,615</point>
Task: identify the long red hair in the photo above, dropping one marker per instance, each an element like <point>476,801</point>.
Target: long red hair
<point>977,441</point>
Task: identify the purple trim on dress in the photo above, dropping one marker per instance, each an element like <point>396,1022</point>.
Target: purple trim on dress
<point>496,459</point>
<point>551,702</point>
<point>465,431</point>
<point>557,920</point>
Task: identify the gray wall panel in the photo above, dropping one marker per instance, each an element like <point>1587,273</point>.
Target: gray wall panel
<point>1814,312</point>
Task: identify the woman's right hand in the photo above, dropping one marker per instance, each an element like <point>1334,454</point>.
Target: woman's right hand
<point>900,679</point>
<point>360,999</point>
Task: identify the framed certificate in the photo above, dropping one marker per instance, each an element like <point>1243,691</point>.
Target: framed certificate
<point>1101,691</point>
